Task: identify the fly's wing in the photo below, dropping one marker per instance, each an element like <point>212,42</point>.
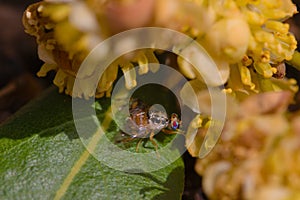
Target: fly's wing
<point>157,122</point>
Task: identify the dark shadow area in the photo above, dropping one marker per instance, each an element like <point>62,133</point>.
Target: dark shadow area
<point>291,72</point>
<point>193,182</point>
<point>18,60</point>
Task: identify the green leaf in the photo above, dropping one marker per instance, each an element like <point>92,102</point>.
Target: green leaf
<point>42,157</point>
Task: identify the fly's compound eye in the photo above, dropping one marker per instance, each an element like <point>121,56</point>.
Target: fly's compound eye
<point>174,122</point>
<point>174,125</point>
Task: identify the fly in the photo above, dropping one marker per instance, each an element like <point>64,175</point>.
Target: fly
<point>146,121</point>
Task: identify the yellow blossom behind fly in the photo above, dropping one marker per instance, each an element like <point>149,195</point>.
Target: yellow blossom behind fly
<point>248,40</point>
<point>66,32</point>
<point>257,156</point>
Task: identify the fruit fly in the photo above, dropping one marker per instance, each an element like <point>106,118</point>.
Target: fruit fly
<point>145,121</point>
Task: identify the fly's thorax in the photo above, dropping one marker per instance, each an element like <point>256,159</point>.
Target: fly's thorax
<point>140,118</point>
<point>138,112</point>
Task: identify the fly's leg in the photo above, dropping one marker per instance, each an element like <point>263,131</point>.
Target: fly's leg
<point>154,143</point>
<point>138,144</point>
<point>151,138</point>
<point>127,139</point>
<point>133,138</point>
<point>171,132</point>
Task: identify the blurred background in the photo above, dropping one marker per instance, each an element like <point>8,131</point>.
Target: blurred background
<point>18,60</point>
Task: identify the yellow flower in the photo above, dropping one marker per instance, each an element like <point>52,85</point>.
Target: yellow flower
<point>246,39</point>
<point>257,156</point>
<point>66,32</point>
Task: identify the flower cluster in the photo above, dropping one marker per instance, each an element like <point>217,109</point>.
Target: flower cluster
<point>66,31</point>
<point>258,153</point>
<point>248,40</point>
